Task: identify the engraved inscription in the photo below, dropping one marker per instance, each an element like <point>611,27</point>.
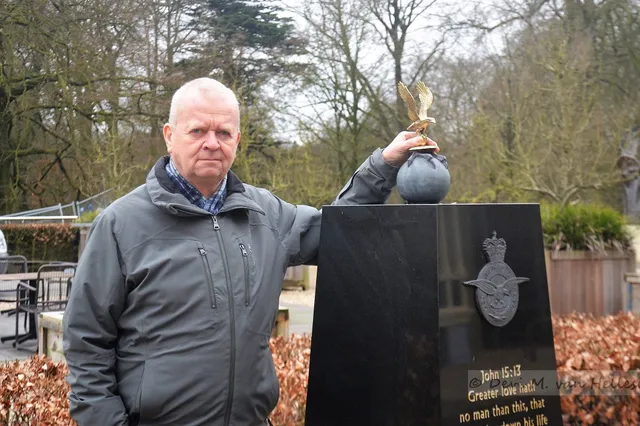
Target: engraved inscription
<point>527,410</point>
<point>516,408</point>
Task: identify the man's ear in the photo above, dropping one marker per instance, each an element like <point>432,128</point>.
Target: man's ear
<point>238,139</point>
<point>167,132</point>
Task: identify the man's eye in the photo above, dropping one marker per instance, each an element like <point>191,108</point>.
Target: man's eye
<point>224,133</point>
<point>196,131</point>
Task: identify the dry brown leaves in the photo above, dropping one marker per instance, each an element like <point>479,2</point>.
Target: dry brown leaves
<point>291,358</point>
<point>34,393</point>
<point>585,342</point>
<point>598,360</point>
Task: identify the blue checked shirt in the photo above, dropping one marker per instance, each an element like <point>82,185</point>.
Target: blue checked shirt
<point>213,204</point>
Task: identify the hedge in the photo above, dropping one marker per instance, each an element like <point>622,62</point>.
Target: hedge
<point>579,227</point>
<point>35,391</point>
<point>584,227</point>
<point>43,242</point>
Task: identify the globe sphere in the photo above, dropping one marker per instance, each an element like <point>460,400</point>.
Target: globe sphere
<point>424,178</point>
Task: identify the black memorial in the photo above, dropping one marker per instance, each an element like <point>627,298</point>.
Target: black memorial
<point>432,315</point>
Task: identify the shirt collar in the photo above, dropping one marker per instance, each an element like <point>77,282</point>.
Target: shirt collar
<point>191,193</point>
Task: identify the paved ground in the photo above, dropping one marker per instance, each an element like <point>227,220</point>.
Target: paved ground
<point>300,304</point>
<point>7,351</point>
<point>300,318</point>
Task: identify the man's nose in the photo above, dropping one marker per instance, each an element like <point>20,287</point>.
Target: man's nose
<point>211,141</point>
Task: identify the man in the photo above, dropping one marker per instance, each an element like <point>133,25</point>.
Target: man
<point>3,253</point>
<point>177,290</point>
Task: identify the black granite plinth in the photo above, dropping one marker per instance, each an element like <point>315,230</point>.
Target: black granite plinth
<point>415,324</point>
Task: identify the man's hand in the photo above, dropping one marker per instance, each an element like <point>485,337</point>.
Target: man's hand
<point>397,152</point>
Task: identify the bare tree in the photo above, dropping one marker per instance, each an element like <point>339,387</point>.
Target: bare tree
<point>394,21</point>
<point>63,86</point>
<point>336,98</point>
<point>543,123</point>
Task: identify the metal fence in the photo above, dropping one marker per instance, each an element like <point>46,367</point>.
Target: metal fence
<point>62,212</point>
<point>75,208</point>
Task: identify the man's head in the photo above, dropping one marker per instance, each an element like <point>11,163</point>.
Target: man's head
<point>203,132</point>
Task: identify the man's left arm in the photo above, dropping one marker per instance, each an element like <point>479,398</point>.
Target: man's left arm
<point>371,183</point>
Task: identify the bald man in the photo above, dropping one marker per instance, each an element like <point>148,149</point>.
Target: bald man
<point>177,290</point>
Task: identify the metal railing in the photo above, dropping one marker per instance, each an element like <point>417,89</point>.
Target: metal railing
<point>75,208</point>
<point>32,219</point>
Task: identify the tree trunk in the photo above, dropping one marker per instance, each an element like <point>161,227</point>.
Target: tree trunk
<point>630,169</point>
<point>5,160</point>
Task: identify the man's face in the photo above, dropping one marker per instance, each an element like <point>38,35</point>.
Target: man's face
<point>204,139</point>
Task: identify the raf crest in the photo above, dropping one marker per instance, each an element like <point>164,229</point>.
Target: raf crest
<point>497,293</point>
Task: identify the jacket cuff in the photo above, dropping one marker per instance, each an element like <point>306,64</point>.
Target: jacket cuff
<point>386,170</point>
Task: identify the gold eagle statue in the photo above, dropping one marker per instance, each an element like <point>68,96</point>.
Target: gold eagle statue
<point>418,116</point>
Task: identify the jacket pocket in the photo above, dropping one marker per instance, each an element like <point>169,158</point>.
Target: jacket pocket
<point>261,392</point>
<point>143,394</point>
<point>135,418</point>
<point>130,373</point>
<point>247,273</point>
<point>207,270</point>
<point>259,296</point>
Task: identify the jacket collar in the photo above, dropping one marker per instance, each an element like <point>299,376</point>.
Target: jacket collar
<point>164,194</point>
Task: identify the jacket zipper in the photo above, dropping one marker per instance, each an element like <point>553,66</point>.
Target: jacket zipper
<point>245,262</point>
<point>232,369</point>
<point>205,262</point>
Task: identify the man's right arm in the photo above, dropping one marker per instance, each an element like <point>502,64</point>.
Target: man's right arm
<point>90,333</point>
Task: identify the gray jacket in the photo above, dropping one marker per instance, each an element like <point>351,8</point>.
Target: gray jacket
<point>171,308</point>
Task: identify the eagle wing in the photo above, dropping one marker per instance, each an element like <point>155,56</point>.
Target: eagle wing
<point>512,282</point>
<point>408,99</point>
<point>426,99</point>
<point>484,285</point>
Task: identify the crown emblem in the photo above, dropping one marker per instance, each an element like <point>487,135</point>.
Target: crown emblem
<point>495,248</point>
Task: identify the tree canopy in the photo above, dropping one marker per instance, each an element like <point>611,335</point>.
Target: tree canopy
<point>534,101</point>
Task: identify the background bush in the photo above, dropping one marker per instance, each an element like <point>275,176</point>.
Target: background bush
<point>602,353</point>
<point>45,241</point>
<point>89,216</point>
<point>291,358</point>
<point>34,392</point>
<point>579,227</point>
<point>589,349</point>
<point>584,227</point>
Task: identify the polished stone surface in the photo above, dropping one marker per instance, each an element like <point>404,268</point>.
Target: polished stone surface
<point>397,336</point>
